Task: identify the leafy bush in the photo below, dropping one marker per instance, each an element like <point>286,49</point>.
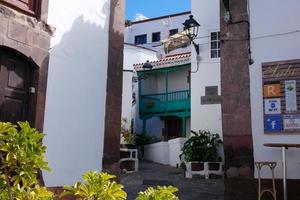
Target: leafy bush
<point>202,147</point>
<point>96,186</point>
<point>142,139</point>
<point>159,193</point>
<point>21,155</point>
<point>127,134</point>
<point>129,137</point>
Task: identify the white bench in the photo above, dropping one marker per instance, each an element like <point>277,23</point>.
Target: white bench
<point>133,157</point>
<point>206,171</point>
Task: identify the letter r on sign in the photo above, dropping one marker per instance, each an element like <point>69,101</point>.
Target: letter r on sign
<point>272,90</point>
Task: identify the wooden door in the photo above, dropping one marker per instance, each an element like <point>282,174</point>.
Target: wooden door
<point>173,128</point>
<point>15,77</point>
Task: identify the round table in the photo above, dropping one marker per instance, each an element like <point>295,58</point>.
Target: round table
<point>283,147</point>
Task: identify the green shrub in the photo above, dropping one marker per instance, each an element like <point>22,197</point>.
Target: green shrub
<point>158,193</point>
<point>21,156</point>
<point>127,134</point>
<point>96,186</point>
<point>202,147</point>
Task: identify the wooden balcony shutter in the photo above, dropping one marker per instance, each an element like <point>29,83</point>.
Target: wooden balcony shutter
<point>26,5</point>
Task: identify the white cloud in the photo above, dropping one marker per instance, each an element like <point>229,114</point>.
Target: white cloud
<point>140,17</point>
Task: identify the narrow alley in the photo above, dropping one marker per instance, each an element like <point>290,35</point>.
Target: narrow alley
<point>152,174</point>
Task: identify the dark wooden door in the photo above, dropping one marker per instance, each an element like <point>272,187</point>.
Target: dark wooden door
<point>173,128</point>
<point>15,77</point>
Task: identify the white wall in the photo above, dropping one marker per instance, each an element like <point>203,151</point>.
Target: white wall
<point>157,152</point>
<point>132,55</point>
<point>266,19</point>
<point>208,74</point>
<point>159,25</point>
<point>166,153</point>
<point>178,80</point>
<point>76,94</point>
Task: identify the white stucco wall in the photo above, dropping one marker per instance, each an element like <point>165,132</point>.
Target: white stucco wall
<point>76,94</point>
<point>132,55</point>
<point>264,22</point>
<point>205,117</point>
<point>153,26</point>
<point>166,153</point>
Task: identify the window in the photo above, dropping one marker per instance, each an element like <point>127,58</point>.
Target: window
<point>140,39</point>
<point>29,6</point>
<point>215,45</point>
<point>156,37</point>
<point>173,31</point>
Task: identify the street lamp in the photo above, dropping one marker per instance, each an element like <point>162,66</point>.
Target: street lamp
<point>147,65</point>
<point>191,27</point>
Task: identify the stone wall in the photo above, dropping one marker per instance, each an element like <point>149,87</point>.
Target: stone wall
<point>30,37</point>
<point>236,110</point>
<point>111,154</point>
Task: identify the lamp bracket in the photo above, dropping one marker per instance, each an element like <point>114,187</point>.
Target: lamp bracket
<point>197,47</point>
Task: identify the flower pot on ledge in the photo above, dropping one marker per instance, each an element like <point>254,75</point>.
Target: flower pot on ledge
<point>204,169</point>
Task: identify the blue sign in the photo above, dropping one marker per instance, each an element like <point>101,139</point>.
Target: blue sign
<point>273,123</point>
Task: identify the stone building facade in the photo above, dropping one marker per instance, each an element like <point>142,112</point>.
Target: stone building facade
<point>24,41</point>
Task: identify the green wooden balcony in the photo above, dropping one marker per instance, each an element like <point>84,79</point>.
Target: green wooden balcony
<point>164,104</point>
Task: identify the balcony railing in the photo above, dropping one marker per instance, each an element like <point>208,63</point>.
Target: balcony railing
<point>162,103</point>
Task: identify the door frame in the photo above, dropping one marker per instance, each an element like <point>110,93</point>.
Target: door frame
<point>36,101</point>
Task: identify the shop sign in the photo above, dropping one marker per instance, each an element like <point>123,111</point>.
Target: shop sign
<point>273,123</point>
<point>273,106</point>
<point>272,90</point>
<point>290,96</point>
<point>279,72</point>
<point>291,122</point>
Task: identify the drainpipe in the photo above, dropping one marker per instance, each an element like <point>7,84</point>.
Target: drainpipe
<point>183,131</point>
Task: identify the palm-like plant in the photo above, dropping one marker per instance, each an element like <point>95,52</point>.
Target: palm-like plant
<point>159,193</point>
<point>202,147</point>
<point>96,186</point>
<point>21,155</point>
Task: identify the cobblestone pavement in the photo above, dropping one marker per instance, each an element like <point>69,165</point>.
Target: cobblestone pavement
<point>152,174</point>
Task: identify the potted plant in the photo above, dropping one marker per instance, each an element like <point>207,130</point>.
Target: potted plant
<point>200,153</point>
<point>127,137</point>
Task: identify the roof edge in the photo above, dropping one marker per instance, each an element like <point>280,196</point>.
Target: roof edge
<point>161,17</point>
<point>140,47</point>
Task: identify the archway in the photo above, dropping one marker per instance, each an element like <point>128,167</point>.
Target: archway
<point>16,87</point>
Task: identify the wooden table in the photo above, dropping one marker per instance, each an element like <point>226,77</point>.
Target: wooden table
<point>283,147</point>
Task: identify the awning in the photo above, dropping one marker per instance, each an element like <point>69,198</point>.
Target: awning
<point>179,40</point>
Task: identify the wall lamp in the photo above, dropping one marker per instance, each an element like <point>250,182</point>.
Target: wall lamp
<point>191,27</point>
<point>147,65</point>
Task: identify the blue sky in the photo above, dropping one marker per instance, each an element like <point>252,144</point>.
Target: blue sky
<point>155,8</point>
